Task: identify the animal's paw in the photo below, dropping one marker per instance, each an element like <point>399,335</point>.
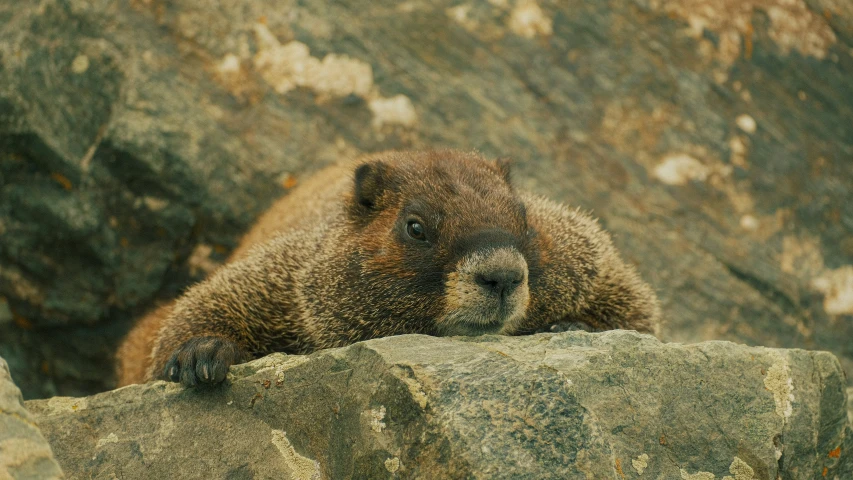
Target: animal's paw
<point>203,360</point>
<point>566,327</point>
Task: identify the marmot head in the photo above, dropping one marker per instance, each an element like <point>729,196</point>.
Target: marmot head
<point>443,242</point>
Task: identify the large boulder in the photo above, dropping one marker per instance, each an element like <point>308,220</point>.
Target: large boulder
<point>24,453</point>
<point>138,139</point>
<point>574,405</point>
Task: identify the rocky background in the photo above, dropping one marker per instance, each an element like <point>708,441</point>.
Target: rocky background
<point>714,138</point>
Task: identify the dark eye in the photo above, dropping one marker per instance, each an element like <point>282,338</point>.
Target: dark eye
<point>416,230</point>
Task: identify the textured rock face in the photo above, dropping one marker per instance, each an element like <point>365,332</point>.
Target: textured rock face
<point>138,138</point>
<point>574,405</point>
<point>24,453</point>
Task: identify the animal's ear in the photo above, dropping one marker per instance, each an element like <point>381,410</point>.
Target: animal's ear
<point>371,180</point>
<point>504,165</point>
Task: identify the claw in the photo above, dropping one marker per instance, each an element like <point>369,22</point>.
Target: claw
<point>203,360</point>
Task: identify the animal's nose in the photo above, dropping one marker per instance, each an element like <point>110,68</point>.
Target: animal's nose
<point>501,282</point>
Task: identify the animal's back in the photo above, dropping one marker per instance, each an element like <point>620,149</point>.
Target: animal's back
<point>318,198</point>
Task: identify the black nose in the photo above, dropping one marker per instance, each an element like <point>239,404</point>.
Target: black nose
<point>501,282</point>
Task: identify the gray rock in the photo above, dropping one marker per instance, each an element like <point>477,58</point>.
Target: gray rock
<point>572,405</point>
<point>138,139</point>
<point>850,404</point>
<point>24,453</point>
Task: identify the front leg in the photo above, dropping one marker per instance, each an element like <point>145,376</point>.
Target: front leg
<point>237,314</point>
<point>202,337</point>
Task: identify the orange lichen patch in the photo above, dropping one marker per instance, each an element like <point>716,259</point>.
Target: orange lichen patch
<point>835,453</point>
<point>289,182</point>
<point>747,41</point>
<point>123,241</point>
<point>662,440</point>
<point>619,468</point>
<point>825,471</point>
<point>60,179</point>
<point>22,322</point>
<point>262,20</point>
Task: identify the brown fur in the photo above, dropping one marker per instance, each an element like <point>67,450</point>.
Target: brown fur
<point>134,354</point>
<point>328,265</point>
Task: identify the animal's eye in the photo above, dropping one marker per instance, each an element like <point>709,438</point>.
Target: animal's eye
<point>416,230</point>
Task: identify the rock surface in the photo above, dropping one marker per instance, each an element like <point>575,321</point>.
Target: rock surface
<point>137,139</point>
<point>573,405</point>
<point>24,453</point>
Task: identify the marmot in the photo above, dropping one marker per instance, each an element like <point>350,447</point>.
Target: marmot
<point>436,242</point>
